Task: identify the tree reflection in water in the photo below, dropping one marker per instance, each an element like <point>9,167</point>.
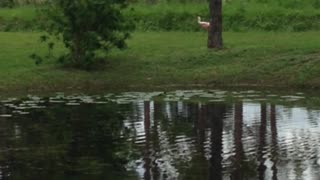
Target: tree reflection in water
<point>239,153</point>
<point>156,140</point>
<point>274,141</point>
<point>190,141</point>
<point>216,116</point>
<point>64,142</point>
<point>262,141</point>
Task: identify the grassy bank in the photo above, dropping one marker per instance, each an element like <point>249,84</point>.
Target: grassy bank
<point>171,58</point>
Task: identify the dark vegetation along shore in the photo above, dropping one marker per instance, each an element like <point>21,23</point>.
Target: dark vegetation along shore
<point>266,45</point>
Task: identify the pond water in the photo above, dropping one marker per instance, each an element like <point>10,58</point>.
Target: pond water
<point>192,134</point>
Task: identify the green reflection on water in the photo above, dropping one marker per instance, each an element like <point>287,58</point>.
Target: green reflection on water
<point>65,142</point>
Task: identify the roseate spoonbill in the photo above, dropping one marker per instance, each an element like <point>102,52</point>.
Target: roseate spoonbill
<point>203,25</point>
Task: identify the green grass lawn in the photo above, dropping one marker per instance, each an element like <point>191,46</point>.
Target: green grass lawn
<point>168,59</point>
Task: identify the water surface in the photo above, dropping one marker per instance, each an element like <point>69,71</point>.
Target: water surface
<point>161,135</point>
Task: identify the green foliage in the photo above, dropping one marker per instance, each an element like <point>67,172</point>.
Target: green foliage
<point>6,3</point>
<point>267,16</point>
<point>236,17</point>
<point>89,29</point>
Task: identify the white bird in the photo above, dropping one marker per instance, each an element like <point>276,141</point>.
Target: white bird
<point>203,24</point>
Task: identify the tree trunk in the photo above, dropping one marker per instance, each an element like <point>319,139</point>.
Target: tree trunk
<point>215,30</point>
<point>77,52</point>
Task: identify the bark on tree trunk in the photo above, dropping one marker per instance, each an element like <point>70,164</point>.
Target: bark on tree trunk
<point>215,30</point>
<point>78,52</point>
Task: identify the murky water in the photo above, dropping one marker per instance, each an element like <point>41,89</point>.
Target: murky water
<point>161,135</point>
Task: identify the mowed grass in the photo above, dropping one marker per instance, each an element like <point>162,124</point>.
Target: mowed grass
<point>170,59</point>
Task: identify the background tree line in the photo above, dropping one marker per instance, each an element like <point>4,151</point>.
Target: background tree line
<point>282,3</point>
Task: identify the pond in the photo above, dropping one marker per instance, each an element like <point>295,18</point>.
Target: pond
<point>191,134</point>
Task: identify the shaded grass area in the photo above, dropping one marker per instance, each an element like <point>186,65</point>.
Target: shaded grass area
<point>170,59</point>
